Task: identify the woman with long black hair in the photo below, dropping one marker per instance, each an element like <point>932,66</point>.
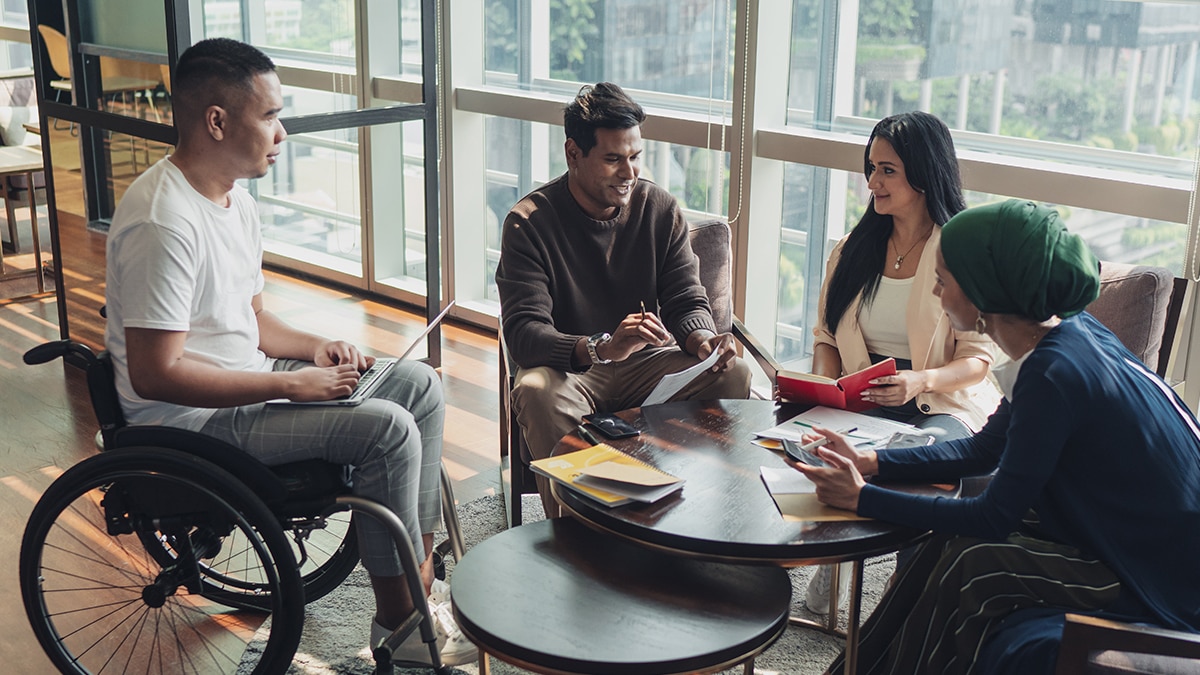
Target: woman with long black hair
<point>877,301</point>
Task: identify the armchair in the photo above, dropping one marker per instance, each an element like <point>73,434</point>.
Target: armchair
<point>1141,305</point>
<point>710,240</point>
<point>1093,645</point>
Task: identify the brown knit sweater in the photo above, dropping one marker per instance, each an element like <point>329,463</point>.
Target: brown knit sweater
<point>563,276</point>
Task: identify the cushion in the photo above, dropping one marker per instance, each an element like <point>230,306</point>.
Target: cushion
<point>12,125</point>
<point>1111,662</point>
<point>1133,304</point>
<point>1027,642</point>
<point>711,245</point>
<point>16,88</point>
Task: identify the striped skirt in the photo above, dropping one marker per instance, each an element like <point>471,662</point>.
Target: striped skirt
<point>939,611</point>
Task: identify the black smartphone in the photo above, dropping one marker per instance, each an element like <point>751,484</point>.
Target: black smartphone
<point>799,454</point>
<point>610,425</point>
<point>905,439</point>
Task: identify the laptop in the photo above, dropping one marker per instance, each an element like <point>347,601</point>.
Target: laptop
<point>370,380</point>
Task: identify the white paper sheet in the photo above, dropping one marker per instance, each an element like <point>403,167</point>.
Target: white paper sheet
<point>786,481</point>
<point>671,384</point>
<point>868,430</point>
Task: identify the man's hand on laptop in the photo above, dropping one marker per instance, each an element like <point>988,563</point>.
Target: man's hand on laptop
<point>323,383</point>
<point>340,352</point>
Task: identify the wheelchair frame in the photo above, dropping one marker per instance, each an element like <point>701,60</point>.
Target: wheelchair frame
<point>165,506</point>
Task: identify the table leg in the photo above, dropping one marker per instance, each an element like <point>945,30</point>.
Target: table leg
<point>855,610</point>
<point>835,581</point>
<point>485,665</point>
<point>37,242</point>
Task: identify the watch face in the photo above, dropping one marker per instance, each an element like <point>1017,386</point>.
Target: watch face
<point>591,347</point>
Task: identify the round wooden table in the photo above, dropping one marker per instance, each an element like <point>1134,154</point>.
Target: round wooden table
<point>724,511</point>
<point>557,597</point>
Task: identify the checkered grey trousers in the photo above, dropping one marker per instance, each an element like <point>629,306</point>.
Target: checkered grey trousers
<point>393,441</point>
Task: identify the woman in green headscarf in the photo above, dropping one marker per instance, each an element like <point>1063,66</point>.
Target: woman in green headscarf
<point>1093,506</point>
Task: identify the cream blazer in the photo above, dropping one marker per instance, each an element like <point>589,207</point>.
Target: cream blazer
<point>931,340</point>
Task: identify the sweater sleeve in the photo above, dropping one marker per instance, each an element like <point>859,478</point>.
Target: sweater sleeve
<point>950,460</point>
<point>1025,441</point>
<point>526,303</point>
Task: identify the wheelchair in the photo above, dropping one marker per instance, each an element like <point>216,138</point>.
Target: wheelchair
<point>172,551</point>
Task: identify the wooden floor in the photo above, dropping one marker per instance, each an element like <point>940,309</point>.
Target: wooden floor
<point>48,424</point>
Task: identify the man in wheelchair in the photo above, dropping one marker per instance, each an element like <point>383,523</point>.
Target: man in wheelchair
<point>192,346</point>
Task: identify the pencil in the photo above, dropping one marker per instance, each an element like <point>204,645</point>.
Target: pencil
<point>820,442</point>
<point>643,304</point>
<point>587,435</point>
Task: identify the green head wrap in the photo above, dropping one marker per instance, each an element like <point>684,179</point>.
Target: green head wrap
<point>1016,257</point>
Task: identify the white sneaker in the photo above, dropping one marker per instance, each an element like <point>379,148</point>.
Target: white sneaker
<point>453,646</point>
<point>816,597</point>
<point>458,649</point>
<point>439,592</point>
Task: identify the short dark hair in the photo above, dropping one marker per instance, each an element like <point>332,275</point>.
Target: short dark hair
<point>602,106</point>
<point>216,71</point>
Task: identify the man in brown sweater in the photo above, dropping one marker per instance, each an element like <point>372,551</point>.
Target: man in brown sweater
<point>599,290</point>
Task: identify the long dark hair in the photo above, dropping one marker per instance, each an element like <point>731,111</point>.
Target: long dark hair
<point>924,145</point>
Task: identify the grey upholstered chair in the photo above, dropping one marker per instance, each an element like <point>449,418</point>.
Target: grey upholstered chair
<point>1141,305</point>
<point>1095,646</point>
<point>710,240</point>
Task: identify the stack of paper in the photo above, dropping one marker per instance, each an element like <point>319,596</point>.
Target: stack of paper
<point>608,476</point>
<point>868,431</point>
<point>796,497</point>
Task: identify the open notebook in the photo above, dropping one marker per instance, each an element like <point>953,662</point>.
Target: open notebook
<point>373,376</point>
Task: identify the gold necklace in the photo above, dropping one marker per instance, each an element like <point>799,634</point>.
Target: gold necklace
<point>900,257</point>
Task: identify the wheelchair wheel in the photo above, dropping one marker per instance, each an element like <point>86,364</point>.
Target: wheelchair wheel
<point>99,600</point>
<point>330,554</point>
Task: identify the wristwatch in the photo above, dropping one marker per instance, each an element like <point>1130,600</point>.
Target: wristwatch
<point>592,343</point>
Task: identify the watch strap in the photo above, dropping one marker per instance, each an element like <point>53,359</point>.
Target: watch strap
<point>594,341</point>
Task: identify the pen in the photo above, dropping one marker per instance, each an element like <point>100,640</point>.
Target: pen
<point>587,435</point>
<point>825,441</point>
<point>643,304</point>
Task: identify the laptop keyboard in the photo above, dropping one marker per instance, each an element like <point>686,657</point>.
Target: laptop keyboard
<point>373,373</point>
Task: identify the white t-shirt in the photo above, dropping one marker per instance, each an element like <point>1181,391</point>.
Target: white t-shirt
<point>882,321</point>
<point>179,262</point>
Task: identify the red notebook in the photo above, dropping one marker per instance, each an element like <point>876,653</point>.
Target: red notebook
<point>844,393</point>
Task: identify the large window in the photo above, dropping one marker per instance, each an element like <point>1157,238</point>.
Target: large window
<point>1088,106</point>
<point>321,216</point>
<point>676,58</point>
<point>758,112</point>
<point>1043,86</point>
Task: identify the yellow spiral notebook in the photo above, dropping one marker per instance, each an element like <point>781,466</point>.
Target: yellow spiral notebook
<point>608,476</point>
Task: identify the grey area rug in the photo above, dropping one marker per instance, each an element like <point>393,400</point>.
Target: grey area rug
<point>336,627</point>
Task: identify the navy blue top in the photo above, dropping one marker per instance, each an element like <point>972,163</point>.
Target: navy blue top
<point>1099,446</point>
